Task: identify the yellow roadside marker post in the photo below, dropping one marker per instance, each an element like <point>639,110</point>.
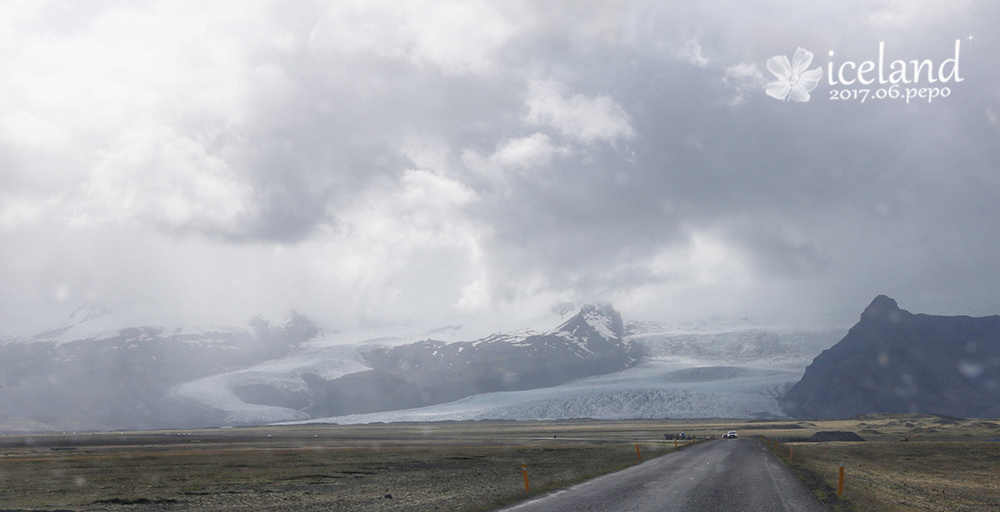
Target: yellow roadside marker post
<point>840,481</point>
<point>637,452</point>
<point>675,442</point>
<point>524,469</point>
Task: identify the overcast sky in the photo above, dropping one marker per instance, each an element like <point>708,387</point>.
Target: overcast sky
<point>414,162</point>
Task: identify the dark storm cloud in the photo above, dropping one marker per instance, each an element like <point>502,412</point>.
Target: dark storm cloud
<point>790,189</point>
<point>393,161</point>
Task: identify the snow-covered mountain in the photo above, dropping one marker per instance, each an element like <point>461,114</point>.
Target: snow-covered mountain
<point>430,372</point>
<point>323,380</point>
<point>714,370</point>
<point>717,370</point>
<point>88,374</point>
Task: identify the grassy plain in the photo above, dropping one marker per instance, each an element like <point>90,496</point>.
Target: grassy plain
<point>416,466</point>
<point>946,464</point>
<point>910,462</point>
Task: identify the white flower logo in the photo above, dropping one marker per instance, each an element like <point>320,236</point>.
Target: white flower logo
<point>794,82</point>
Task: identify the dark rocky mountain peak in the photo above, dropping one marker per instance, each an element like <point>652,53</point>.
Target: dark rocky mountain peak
<point>602,321</point>
<point>883,309</point>
<point>893,361</point>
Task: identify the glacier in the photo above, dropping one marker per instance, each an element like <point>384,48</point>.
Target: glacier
<point>217,391</point>
<point>702,370</point>
<point>658,389</point>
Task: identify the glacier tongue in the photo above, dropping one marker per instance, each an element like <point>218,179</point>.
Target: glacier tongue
<point>217,391</point>
<point>657,389</point>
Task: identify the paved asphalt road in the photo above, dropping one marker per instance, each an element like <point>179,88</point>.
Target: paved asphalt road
<point>720,475</point>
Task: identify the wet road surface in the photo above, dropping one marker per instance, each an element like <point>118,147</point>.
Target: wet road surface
<point>718,475</point>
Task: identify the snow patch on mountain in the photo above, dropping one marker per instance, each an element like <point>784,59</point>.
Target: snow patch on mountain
<point>516,338</point>
<point>454,330</point>
<point>601,323</point>
<point>92,320</point>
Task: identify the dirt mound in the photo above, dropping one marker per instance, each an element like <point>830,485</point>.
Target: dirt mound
<point>823,437</point>
<point>769,426</point>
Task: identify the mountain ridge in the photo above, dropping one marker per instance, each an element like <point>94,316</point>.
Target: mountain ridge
<point>430,372</point>
<point>894,361</point>
<point>155,377</point>
<point>100,376</point>
<point>121,378</point>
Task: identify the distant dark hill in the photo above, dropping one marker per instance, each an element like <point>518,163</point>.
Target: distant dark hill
<point>893,361</point>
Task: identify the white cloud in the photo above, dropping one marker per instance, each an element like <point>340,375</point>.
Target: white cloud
<point>458,36</point>
<point>744,79</point>
<point>17,212</point>
<point>585,118</point>
<point>475,296</point>
<point>535,150</point>
<point>23,128</point>
<point>382,225</point>
<point>156,177</point>
<point>577,20</point>
<point>909,14</point>
<point>403,249</point>
<point>431,155</point>
<point>691,53</point>
<point>78,78</point>
<point>324,156</point>
<point>525,155</point>
<point>706,260</point>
